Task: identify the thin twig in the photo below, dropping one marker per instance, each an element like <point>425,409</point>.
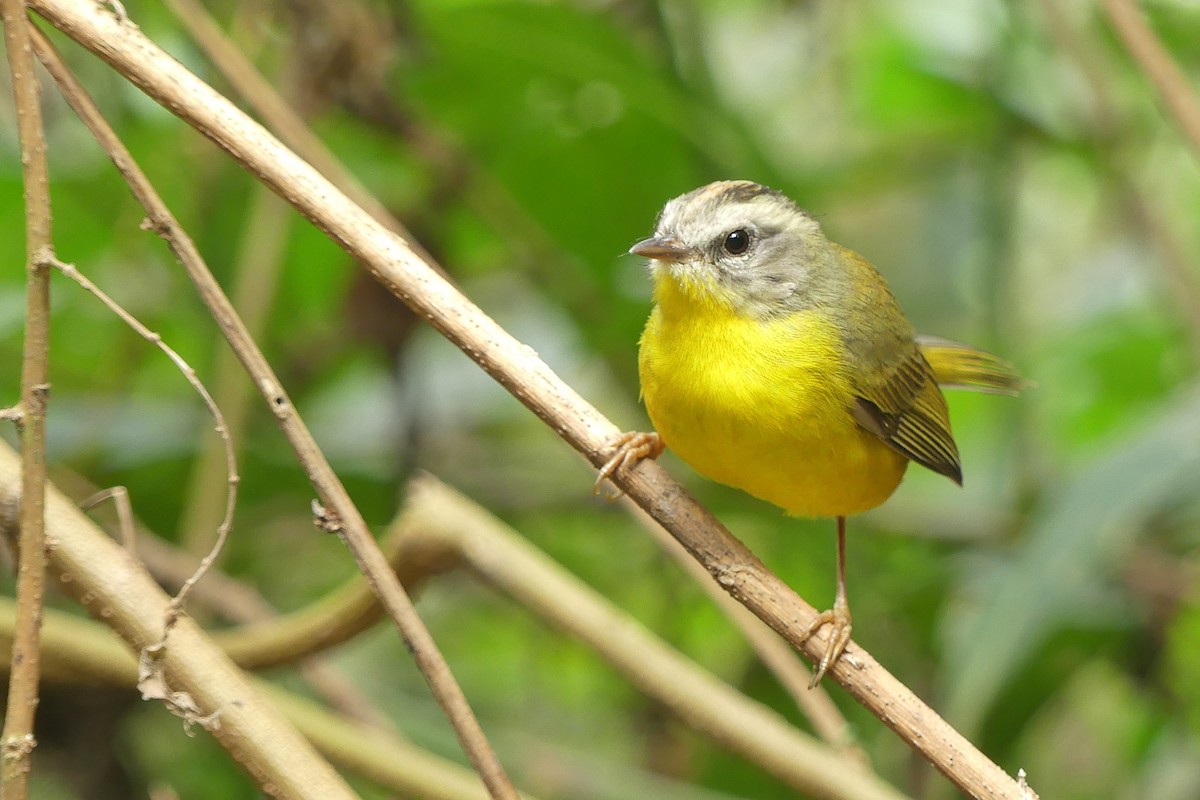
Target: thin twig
<point>82,652</point>
<point>120,497</point>
<point>69,270</point>
<point>278,115</point>
<point>775,654</point>
<point>1176,265</point>
<point>516,367</point>
<point>1161,70</point>
<point>707,704</point>
<point>116,589</point>
<point>333,495</point>
<point>236,601</point>
<point>338,616</point>
<point>257,266</point>
<point>18,740</point>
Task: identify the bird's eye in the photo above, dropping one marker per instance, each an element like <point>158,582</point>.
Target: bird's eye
<point>737,242</point>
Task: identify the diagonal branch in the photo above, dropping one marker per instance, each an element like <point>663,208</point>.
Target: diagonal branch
<point>774,653</point>
<point>18,741</point>
<point>342,515</point>
<point>500,557</point>
<point>81,652</point>
<point>519,369</point>
<point>114,587</point>
<point>1162,71</point>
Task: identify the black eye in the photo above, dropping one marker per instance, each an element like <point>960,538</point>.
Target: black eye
<point>737,242</point>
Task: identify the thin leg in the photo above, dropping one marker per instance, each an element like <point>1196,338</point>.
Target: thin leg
<point>838,616</point>
<point>840,596</point>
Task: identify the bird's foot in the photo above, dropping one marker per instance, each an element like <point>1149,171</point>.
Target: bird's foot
<point>630,448</point>
<point>839,637</point>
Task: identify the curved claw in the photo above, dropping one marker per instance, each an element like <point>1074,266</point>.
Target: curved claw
<point>630,448</point>
<point>839,637</point>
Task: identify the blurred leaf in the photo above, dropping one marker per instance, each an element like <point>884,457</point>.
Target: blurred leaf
<point>1059,571</point>
<point>1088,741</point>
<point>1182,663</point>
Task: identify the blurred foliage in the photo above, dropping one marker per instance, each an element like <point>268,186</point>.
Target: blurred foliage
<point>1005,166</point>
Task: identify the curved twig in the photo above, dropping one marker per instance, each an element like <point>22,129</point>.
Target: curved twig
<point>519,369</point>
<point>342,515</point>
<point>114,587</point>
<point>231,473</point>
<point>499,557</point>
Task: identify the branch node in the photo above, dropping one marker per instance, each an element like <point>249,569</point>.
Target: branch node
<point>118,10</point>
<point>152,683</point>
<point>16,749</point>
<point>1027,792</point>
<point>120,497</point>
<point>43,258</point>
<point>325,519</point>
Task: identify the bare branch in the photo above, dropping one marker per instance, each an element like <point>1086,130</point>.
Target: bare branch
<point>1180,282</point>
<point>1160,69</point>
<point>520,370</point>
<point>333,495</point>
<point>279,116</point>
<point>189,374</point>
<point>257,266</point>
<point>773,651</point>
<point>80,651</point>
<point>236,601</point>
<point>501,558</point>
<point>118,590</point>
<point>18,741</point>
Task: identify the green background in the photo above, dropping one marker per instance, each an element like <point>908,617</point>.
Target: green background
<point>1005,165</point>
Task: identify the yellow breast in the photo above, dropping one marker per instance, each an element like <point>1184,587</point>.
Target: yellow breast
<point>762,405</point>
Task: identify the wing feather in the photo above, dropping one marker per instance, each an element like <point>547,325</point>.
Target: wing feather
<point>896,389</point>
<point>905,408</point>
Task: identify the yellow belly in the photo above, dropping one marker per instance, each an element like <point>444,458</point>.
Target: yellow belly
<point>764,406</point>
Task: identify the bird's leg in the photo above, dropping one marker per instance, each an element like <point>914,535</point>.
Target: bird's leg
<point>630,448</point>
<point>838,616</point>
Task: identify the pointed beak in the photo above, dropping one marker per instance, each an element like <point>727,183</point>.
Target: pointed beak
<point>661,248</point>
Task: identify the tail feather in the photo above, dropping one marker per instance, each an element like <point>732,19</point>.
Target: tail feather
<point>960,366</point>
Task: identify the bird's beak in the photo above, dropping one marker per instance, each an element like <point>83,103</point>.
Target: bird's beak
<point>662,248</point>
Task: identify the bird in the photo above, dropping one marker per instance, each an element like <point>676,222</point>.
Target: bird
<point>779,362</point>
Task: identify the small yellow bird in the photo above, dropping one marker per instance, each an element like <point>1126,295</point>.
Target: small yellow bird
<point>779,362</point>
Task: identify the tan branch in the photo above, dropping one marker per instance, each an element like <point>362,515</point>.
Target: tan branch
<point>278,115</point>
<point>775,654</point>
<point>439,530</point>
<point>329,623</point>
<point>1176,264</point>
<point>519,369</point>
<point>1156,62</point>
<point>341,515</point>
<point>338,616</point>
<point>82,652</point>
<point>115,588</point>
<point>501,558</point>
<point>18,741</point>
<point>256,268</point>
